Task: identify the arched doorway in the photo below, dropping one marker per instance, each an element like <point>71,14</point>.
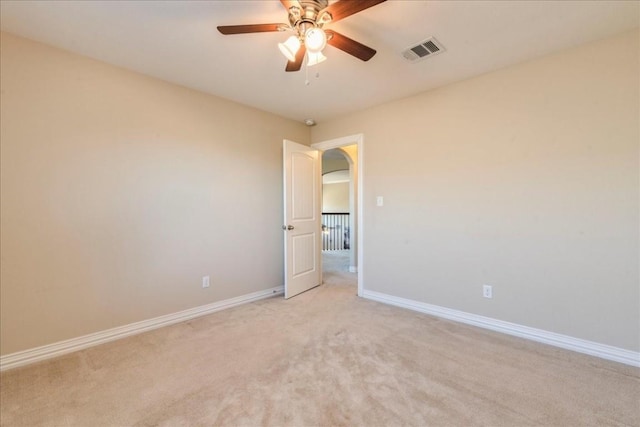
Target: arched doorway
<point>336,212</point>
<point>352,148</point>
<point>339,254</point>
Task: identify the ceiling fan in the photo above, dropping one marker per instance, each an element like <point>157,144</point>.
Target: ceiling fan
<point>306,20</point>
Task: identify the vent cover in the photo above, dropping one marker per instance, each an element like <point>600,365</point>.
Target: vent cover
<point>424,49</point>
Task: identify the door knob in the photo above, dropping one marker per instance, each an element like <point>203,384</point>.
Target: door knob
<point>288,227</point>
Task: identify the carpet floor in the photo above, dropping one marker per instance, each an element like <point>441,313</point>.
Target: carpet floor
<point>323,358</point>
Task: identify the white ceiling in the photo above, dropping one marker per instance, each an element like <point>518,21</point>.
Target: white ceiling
<point>177,41</point>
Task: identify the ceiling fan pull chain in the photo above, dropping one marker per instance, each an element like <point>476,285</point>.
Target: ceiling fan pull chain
<point>307,82</point>
<point>306,75</point>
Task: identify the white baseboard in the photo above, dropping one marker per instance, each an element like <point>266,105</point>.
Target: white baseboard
<point>353,269</point>
<point>603,351</point>
<point>49,351</point>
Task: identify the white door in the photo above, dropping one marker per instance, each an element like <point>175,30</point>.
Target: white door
<point>302,219</point>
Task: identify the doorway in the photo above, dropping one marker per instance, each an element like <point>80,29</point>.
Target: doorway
<point>338,211</point>
<point>351,148</point>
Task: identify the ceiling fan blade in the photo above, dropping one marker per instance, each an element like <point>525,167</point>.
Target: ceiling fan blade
<point>252,28</point>
<point>343,8</point>
<point>350,46</point>
<point>297,64</point>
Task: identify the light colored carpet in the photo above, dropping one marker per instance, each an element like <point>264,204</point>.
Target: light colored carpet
<point>323,358</point>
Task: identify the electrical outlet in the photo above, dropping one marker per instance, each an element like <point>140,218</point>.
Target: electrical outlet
<point>205,281</point>
<point>487,291</point>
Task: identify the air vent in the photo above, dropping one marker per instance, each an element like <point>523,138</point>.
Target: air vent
<point>424,49</point>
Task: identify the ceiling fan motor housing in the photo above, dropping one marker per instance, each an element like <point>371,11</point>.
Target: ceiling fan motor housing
<point>302,20</point>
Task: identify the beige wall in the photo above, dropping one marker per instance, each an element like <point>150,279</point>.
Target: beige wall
<point>119,192</point>
<point>115,198</point>
<point>525,179</point>
<point>335,197</point>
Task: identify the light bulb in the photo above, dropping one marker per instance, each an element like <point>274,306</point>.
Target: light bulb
<point>315,39</point>
<point>290,48</point>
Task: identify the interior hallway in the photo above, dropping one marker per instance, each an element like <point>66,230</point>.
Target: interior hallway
<point>335,269</point>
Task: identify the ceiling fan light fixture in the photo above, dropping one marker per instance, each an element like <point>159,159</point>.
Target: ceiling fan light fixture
<point>315,39</point>
<point>306,20</point>
<point>314,58</point>
<point>290,47</point>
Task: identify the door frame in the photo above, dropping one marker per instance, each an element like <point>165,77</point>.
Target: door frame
<point>358,140</point>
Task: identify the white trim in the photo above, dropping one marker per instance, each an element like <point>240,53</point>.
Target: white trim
<point>338,142</point>
<point>49,351</point>
<point>603,351</point>
<point>357,139</point>
<point>353,269</point>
